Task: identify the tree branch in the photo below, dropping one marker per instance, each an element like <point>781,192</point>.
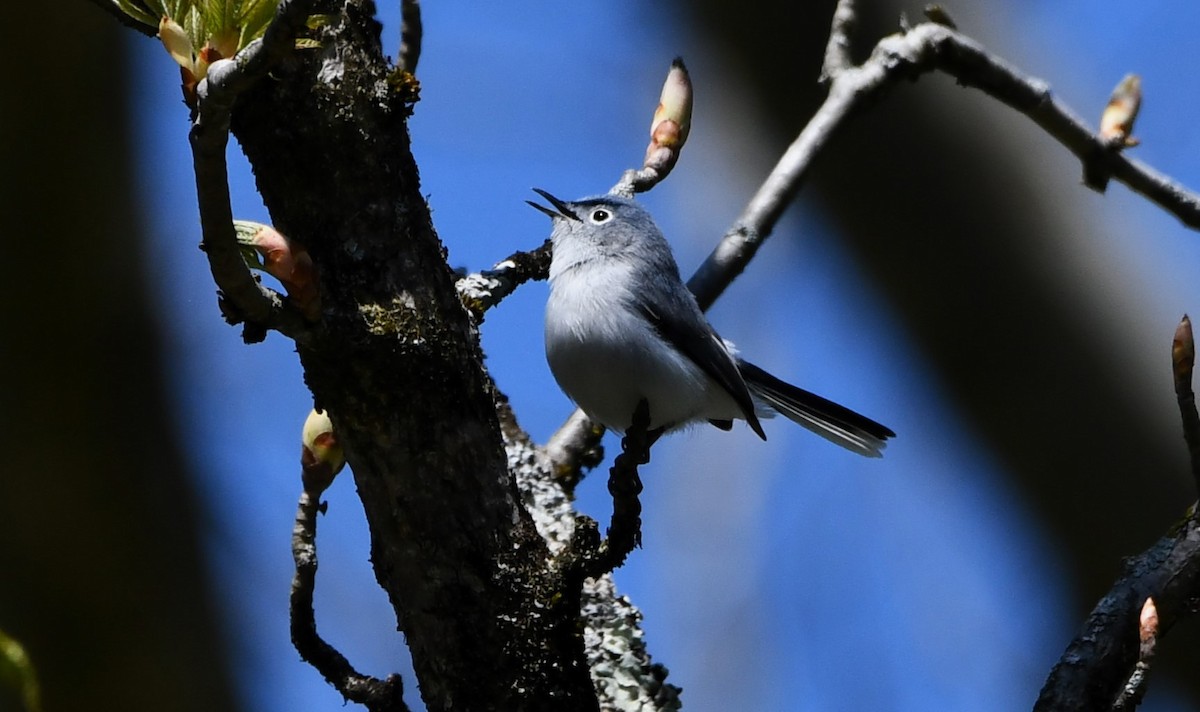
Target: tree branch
<point>483,290</point>
<point>1183,357</point>
<point>1096,664</point>
<point>244,298</point>
<point>621,668</point>
<point>378,695</point>
<point>576,447</point>
<point>1123,628</point>
<point>624,484</point>
<point>1135,688</point>
<point>922,49</point>
<point>837,51</point>
<point>411,33</point>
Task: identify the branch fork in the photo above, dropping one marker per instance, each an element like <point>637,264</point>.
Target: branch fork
<point>243,297</point>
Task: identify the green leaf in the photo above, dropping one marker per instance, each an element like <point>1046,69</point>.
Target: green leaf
<point>16,670</point>
<point>193,24</point>
<point>253,18</point>
<point>138,12</point>
<point>219,16</point>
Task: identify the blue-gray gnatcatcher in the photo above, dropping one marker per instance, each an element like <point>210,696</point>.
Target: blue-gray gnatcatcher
<point>622,327</point>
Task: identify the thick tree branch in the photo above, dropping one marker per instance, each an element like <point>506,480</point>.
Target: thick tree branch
<point>1096,664</point>
<point>397,366</point>
<point>245,298</point>
<point>621,669</point>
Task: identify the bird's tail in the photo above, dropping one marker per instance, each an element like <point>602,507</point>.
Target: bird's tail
<point>836,423</point>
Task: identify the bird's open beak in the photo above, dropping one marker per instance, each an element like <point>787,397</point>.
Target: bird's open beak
<point>564,211</point>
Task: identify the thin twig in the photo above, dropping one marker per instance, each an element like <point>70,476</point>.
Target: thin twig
<point>378,695</point>
<point>246,299</point>
<point>575,447</point>
<point>483,290</point>
<point>624,484</point>
<point>1132,693</point>
<point>1135,689</point>
<point>837,51</point>
<point>1183,358</point>
<point>922,49</point>
<point>411,33</point>
<point>932,46</point>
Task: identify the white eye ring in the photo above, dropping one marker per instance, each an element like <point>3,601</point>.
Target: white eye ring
<point>600,216</point>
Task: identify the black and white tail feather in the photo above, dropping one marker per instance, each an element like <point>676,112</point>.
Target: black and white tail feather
<point>836,423</point>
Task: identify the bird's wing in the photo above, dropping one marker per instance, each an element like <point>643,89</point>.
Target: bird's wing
<point>702,345</point>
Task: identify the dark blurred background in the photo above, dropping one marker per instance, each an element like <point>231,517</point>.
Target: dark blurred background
<point>102,576</point>
<point>943,271</point>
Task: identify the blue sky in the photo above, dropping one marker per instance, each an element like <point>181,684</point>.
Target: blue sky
<point>776,576</point>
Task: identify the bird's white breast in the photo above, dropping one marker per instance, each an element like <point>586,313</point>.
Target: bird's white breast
<point>607,357</point>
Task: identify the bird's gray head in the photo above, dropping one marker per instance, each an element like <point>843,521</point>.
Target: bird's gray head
<point>605,223</point>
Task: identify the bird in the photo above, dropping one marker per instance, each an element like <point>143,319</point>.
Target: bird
<point>621,327</point>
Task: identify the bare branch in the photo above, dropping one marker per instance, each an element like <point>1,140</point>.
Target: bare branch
<point>931,46</point>
<point>575,446</point>
<point>588,557</point>
<point>378,695</point>
<point>1097,663</point>
<point>483,290</point>
<point>924,48</point>
<point>621,669</point>
<point>1183,357</point>
<point>411,33</point>
<point>837,51</point>
<point>1107,663</point>
<point>624,484</point>
<point>245,298</point>
<point>1135,689</point>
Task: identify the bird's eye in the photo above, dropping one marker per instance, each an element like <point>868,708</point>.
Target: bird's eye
<point>600,215</point>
